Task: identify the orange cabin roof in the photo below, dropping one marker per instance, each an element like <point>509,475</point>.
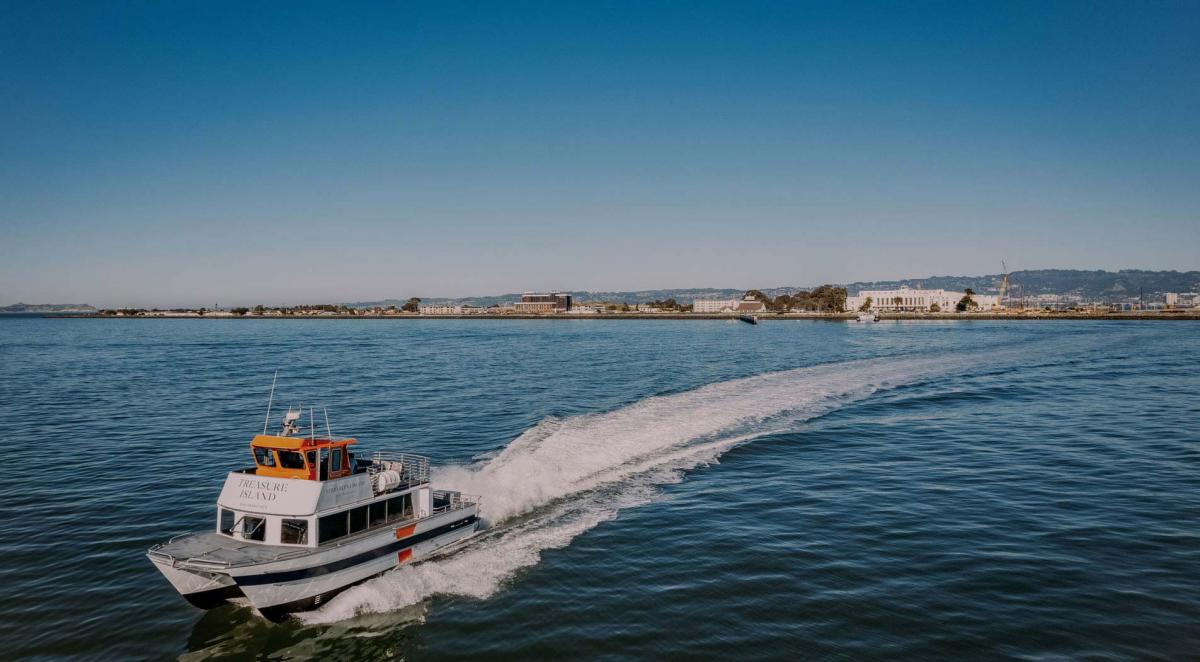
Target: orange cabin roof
<point>296,443</point>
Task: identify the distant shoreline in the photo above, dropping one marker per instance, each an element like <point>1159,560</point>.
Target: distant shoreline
<point>769,317</point>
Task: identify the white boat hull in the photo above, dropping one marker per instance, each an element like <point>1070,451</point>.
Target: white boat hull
<point>201,588</point>
<point>277,588</point>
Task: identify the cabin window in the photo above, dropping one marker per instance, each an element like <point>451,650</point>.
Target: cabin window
<point>264,457</point>
<point>377,513</point>
<point>227,521</point>
<point>291,460</point>
<point>358,519</point>
<point>336,460</point>
<point>332,527</point>
<point>254,528</point>
<point>294,532</point>
<point>399,507</point>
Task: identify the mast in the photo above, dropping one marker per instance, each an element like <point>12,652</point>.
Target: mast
<point>270,399</point>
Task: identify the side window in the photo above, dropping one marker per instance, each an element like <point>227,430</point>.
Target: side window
<point>399,508</point>
<point>378,513</point>
<point>331,527</point>
<point>358,519</point>
<point>337,459</point>
<point>294,532</point>
<point>227,521</point>
<point>291,460</point>
<point>264,457</point>
<point>254,528</point>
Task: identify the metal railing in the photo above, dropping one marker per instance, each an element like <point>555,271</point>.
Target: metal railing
<point>413,469</point>
<point>452,501</point>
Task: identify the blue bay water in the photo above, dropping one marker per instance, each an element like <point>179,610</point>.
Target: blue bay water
<point>655,488</point>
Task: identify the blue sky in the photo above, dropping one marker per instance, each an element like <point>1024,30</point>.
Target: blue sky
<point>164,153</point>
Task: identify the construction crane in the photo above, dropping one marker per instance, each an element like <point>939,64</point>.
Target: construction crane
<point>1003,285</point>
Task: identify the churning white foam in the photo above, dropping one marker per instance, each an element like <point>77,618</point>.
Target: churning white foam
<point>565,476</point>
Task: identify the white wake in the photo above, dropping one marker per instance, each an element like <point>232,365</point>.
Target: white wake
<point>565,476</point>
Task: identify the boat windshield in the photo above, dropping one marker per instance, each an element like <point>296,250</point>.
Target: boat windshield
<point>291,459</point>
<point>264,457</point>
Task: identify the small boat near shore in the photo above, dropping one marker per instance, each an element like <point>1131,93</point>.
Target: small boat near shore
<point>308,519</point>
<point>868,317</point>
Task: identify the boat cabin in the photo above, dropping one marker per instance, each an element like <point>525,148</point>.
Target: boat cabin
<point>303,458</point>
<point>305,490</point>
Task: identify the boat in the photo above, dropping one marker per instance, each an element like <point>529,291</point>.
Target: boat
<point>310,518</point>
<point>868,317</point>
<point>749,319</point>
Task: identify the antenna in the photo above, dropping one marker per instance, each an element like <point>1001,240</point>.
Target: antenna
<point>271,399</point>
<point>312,424</point>
<point>328,431</point>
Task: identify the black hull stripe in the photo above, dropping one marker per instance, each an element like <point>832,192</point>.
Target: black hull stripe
<point>351,561</point>
<point>213,597</point>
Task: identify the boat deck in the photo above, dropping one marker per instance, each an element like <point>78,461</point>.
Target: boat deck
<point>215,550</point>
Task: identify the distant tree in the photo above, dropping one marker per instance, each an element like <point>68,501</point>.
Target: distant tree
<point>782,303</point>
<point>239,311</point>
<point>202,311</point>
<point>259,310</point>
<point>412,305</point>
<point>934,308</point>
<point>824,298</point>
<point>866,305</point>
<point>966,303</point>
<point>665,304</point>
<point>835,298</point>
<point>757,295</point>
<point>897,300</point>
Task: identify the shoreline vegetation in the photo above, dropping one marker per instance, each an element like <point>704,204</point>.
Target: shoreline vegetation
<point>827,302</point>
<point>762,317</point>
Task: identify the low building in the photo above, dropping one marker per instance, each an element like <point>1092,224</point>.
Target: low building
<point>906,299</point>
<point>586,310</point>
<point>715,305</point>
<point>551,302</point>
<point>440,309</point>
<point>450,309</point>
<point>749,305</point>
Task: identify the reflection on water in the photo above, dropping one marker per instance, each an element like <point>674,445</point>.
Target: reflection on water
<point>237,632</point>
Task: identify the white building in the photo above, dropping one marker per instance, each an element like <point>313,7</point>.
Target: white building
<point>910,300</point>
<point>715,305</point>
<point>441,309</point>
<point>586,310</point>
